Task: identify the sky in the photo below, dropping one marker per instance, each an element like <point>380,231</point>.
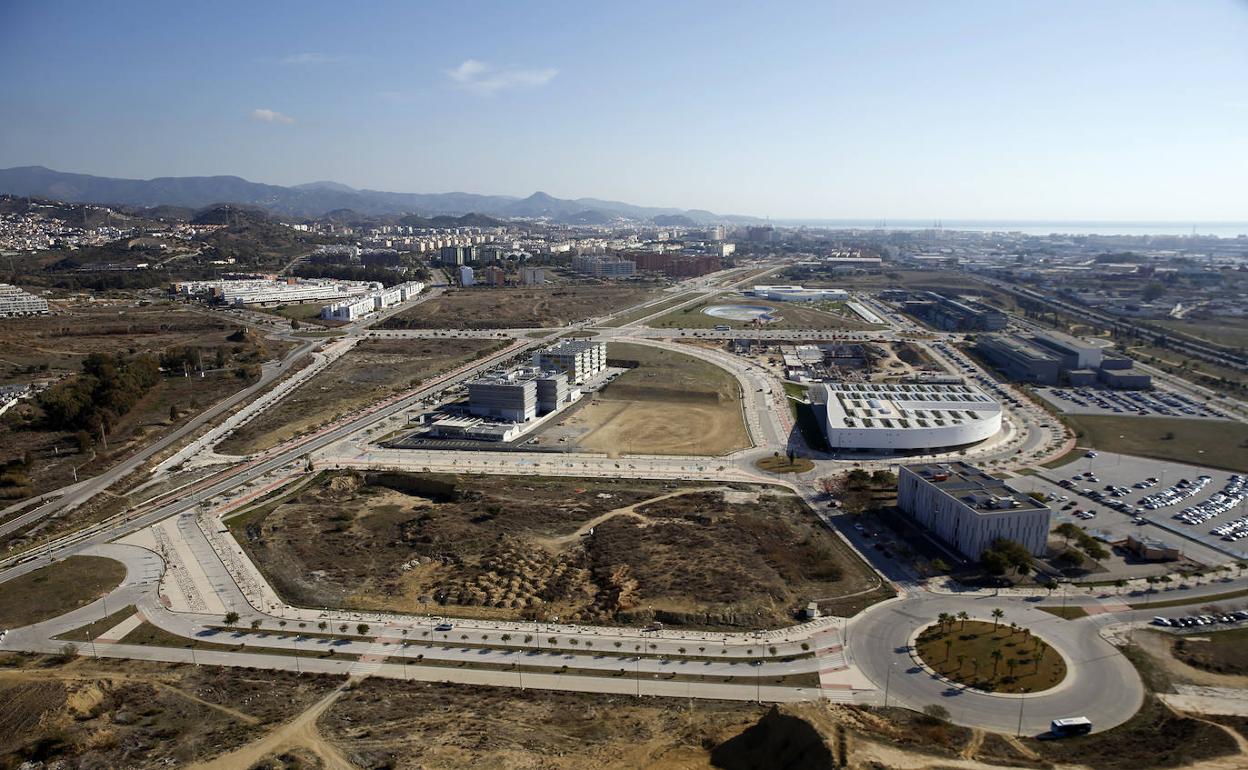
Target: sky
<point>1127,110</point>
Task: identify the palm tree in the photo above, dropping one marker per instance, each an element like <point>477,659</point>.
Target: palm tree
<point>255,624</point>
<point>948,647</point>
<point>1010,664</point>
<point>996,658</point>
<point>997,614</point>
<point>322,625</point>
<point>943,620</point>
<point>961,660</point>
<point>963,616</point>
<point>342,628</point>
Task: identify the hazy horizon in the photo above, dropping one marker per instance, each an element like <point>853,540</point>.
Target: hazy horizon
<point>1055,112</point>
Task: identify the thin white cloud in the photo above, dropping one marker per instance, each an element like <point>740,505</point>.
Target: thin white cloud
<point>482,78</point>
<point>270,116</point>
<point>309,57</point>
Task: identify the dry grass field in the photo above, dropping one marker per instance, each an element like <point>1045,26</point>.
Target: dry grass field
<point>56,589</point>
<point>605,551</point>
<point>518,308</point>
<point>369,372</point>
<point>789,315</point>
<point>671,404</point>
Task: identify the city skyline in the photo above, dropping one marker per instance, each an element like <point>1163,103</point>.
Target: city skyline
<point>967,111</point>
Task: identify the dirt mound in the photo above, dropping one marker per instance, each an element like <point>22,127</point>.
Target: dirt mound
<point>776,742</point>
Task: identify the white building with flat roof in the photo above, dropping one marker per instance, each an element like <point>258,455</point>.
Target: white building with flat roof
<point>580,359</point>
<point>908,416</point>
<point>15,302</point>
<point>969,509</point>
<point>798,294</point>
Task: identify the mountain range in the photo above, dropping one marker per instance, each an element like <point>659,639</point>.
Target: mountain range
<point>315,199</point>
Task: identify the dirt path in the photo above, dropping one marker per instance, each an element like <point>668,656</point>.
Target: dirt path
<point>300,731</point>
<point>154,681</point>
<point>972,746</point>
<point>628,510</point>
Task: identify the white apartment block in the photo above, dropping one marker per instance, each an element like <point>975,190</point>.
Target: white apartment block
<point>358,307</point>
<point>969,509</point>
<point>274,291</point>
<point>579,359</point>
<point>601,267</point>
<point>15,302</point>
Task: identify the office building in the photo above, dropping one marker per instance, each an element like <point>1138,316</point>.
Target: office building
<point>16,302</point>
<point>1018,360</point>
<point>510,396</point>
<point>904,417</point>
<point>798,294</point>
<point>955,315</point>
<point>579,359</point>
<point>1049,358</point>
<point>969,509</point>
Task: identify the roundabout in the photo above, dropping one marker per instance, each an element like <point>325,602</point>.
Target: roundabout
<point>740,312</point>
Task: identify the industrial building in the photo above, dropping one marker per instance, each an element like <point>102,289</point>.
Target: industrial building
<point>1045,358</point>
<point>579,359</point>
<point>798,294</point>
<point>15,302</point>
<point>907,416</point>
<point>380,299</point>
<point>969,509</point>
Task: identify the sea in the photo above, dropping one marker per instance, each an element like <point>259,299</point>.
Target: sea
<point>1035,227</point>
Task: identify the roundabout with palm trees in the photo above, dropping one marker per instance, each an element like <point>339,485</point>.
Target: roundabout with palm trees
<point>989,656</point>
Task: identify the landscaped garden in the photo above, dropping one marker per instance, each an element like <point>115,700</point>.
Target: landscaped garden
<point>994,657</point>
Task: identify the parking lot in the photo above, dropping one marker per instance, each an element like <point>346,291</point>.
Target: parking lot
<point>1122,494</point>
<point>1158,402</point>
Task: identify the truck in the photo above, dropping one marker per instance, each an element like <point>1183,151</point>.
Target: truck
<point>1064,728</point>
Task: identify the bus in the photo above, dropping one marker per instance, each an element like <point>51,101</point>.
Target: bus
<point>1063,728</point>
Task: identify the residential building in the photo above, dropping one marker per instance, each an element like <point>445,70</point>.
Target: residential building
<point>603,267</point>
<point>465,276</point>
<point>579,359</point>
<point>15,302</point>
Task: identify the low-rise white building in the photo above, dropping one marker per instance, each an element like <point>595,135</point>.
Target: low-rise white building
<point>15,302</point>
<point>580,359</point>
<point>798,294</point>
<point>908,416</point>
<point>969,509</point>
<point>380,299</point>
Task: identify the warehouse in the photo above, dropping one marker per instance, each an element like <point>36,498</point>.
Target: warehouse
<point>908,416</point>
<point>969,509</point>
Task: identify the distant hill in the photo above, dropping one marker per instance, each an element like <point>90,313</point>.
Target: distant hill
<point>317,198</point>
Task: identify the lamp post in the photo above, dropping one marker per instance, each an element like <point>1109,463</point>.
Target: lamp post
<point>888,678</point>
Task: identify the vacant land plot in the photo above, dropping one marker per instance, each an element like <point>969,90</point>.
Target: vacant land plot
<point>497,308</point>
<point>1221,331</point>
<point>220,359</point>
<point>788,315</point>
<point>369,372</point>
<point>1221,652</point>
<point>114,714</point>
<point>56,589</point>
<point>991,657</point>
<point>1211,443</point>
<point>306,312</point>
<point>579,549</point>
<point>671,403</point>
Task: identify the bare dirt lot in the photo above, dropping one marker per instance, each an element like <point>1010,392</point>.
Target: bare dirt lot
<point>788,315</point>
<point>670,404</point>
<point>127,714</point>
<point>583,550</point>
<point>534,306</point>
<point>369,372</point>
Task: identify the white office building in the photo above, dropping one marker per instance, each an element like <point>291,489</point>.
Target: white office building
<point>798,294</point>
<point>908,416</point>
<point>373,301</point>
<point>580,359</point>
<point>15,302</point>
<point>969,509</point>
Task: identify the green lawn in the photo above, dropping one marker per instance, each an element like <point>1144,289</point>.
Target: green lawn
<point>781,464</point>
<point>1211,443</point>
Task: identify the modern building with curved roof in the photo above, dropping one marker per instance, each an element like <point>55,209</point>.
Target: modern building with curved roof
<point>907,417</point>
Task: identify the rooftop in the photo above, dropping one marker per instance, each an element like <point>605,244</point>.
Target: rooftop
<point>974,487</point>
<point>906,405</point>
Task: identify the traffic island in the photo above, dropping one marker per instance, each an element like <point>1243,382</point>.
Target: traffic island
<point>991,657</point>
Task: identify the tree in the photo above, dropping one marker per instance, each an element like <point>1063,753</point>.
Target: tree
<point>322,625</point>
<point>1120,584</point>
<point>963,616</point>
<point>937,712</point>
<point>173,412</point>
<point>294,324</point>
<point>996,659</point>
<point>342,628</point>
<point>1005,556</point>
<point>940,565</point>
<point>231,618</point>
<point>997,614</point>
<point>255,624</point>
<point>948,648</point>
<point>361,628</point>
<point>1068,531</point>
